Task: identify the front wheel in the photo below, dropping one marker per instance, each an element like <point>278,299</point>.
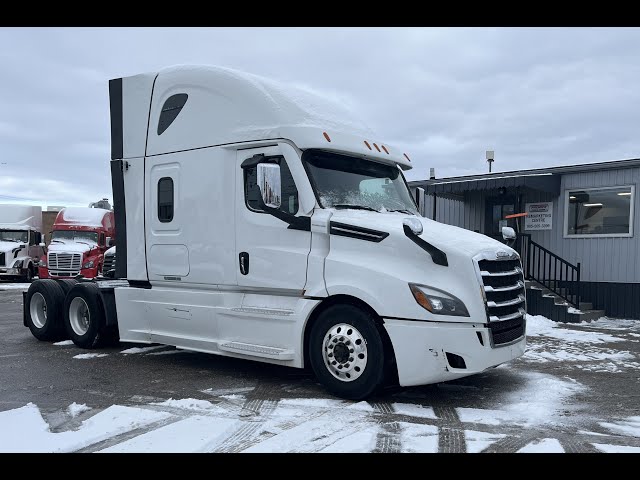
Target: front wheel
<point>346,352</point>
<point>28,276</point>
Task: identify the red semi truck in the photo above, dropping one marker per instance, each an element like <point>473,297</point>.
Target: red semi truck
<point>79,238</point>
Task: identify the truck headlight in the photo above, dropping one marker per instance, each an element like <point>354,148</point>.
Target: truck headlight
<point>88,264</point>
<point>18,264</point>
<point>42,263</point>
<point>438,301</point>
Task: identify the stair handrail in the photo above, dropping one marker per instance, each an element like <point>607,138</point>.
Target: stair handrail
<point>566,285</point>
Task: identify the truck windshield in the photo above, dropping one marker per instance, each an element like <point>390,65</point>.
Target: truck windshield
<point>74,236</point>
<point>14,236</point>
<point>341,181</point>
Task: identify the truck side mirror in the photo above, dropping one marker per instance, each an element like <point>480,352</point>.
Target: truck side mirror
<point>41,244</point>
<point>508,233</point>
<point>109,242</point>
<point>269,184</point>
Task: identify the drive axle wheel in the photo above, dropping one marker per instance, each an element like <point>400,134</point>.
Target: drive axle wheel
<point>43,309</point>
<point>346,352</point>
<point>84,316</point>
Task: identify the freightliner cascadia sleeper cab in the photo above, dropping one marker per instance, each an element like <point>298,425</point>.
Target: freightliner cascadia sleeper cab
<point>264,222</point>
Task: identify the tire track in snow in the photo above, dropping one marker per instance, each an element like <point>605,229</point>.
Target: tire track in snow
<point>388,438</point>
<point>572,446</point>
<point>451,437</point>
<point>512,443</point>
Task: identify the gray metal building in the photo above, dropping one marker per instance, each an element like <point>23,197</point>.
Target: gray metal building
<point>579,237</point>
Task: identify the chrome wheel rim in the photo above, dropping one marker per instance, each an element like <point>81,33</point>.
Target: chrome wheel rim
<point>344,351</point>
<point>79,316</point>
<point>38,310</point>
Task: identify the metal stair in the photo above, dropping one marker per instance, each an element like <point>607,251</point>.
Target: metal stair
<point>542,301</point>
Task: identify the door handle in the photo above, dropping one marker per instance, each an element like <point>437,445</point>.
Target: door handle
<point>244,263</point>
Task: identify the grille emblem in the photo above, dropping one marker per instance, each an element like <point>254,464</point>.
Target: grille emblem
<point>502,254</point>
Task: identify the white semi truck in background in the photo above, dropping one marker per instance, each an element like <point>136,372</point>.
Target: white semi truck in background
<point>264,222</point>
<point>20,242</point>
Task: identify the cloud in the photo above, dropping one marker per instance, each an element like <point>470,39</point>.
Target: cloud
<point>537,96</point>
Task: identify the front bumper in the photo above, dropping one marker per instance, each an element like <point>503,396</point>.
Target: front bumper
<point>85,272</point>
<point>11,272</point>
<point>421,350</point>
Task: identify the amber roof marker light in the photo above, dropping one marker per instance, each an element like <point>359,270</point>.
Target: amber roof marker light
<point>385,149</point>
<point>406,156</point>
<point>326,135</point>
<point>367,144</point>
<point>377,148</point>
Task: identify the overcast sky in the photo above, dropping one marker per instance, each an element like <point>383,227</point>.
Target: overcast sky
<point>538,97</point>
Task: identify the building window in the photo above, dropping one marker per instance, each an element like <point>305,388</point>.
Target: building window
<point>170,110</point>
<point>289,197</point>
<point>599,212</point>
<point>165,199</point>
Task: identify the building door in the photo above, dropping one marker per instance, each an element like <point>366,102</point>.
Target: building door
<point>497,209</point>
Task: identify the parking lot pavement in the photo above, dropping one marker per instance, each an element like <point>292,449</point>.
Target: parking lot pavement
<point>577,389</point>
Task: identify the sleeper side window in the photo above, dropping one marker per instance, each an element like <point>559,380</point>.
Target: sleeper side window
<point>165,199</point>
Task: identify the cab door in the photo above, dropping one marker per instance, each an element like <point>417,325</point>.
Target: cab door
<point>269,254</point>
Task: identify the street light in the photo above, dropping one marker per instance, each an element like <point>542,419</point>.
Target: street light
<point>490,158</point>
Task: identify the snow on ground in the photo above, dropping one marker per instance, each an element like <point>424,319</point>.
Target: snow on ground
<point>64,342</point>
<point>629,426</point>
<point>30,432</point>
<point>545,445</point>
<point>582,348</point>
<point>76,409</point>
<point>418,438</point>
<point>539,402</point>
<point>83,356</point>
<point>14,286</point>
<point>142,349</point>
<point>414,410</point>
<point>615,448</point>
<point>195,434</point>
<point>478,441</point>
<point>296,425</point>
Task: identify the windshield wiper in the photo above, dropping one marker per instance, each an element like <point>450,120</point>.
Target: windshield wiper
<point>401,210</point>
<point>355,207</point>
<point>78,241</point>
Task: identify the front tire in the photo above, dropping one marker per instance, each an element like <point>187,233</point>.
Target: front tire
<point>346,352</point>
<point>84,316</point>
<point>43,306</point>
<point>28,276</point>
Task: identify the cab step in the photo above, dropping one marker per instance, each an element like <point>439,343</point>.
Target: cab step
<point>257,350</point>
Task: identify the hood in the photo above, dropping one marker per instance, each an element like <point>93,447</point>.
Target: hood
<point>70,247</point>
<point>446,237</point>
<point>6,247</point>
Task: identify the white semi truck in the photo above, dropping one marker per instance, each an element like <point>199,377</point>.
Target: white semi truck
<point>20,241</point>
<point>264,222</point>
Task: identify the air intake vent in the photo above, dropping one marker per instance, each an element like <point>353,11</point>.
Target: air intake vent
<point>361,233</point>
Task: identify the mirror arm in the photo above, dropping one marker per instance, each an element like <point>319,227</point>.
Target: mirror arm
<point>295,223</point>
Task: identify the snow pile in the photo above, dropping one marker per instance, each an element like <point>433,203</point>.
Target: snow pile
<point>85,216</point>
<point>615,448</point>
<point>576,348</point>
<point>64,343</point>
<point>537,325</point>
<point>76,409</point>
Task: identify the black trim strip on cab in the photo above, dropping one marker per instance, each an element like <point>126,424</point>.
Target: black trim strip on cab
<point>115,108</point>
<point>120,213</point>
<point>437,255</point>
<point>361,233</point>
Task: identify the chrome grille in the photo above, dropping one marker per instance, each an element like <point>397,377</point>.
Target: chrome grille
<point>109,263</point>
<point>2,264</point>
<point>503,283</point>
<point>64,264</point>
